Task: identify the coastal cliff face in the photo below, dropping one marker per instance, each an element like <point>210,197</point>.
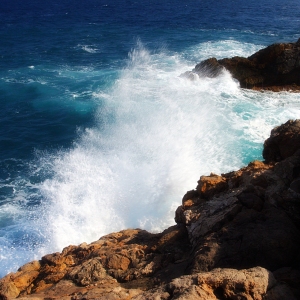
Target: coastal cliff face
<point>237,237</point>
<point>276,68</point>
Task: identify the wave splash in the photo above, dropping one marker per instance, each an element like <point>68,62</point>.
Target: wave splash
<point>155,133</point>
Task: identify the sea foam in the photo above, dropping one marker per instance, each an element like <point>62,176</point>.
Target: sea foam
<point>154,134</point>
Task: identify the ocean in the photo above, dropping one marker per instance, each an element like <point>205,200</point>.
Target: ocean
<point>98,131</point>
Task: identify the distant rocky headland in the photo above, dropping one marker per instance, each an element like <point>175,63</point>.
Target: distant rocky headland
<point>275,68</point>
<point>237,235</point>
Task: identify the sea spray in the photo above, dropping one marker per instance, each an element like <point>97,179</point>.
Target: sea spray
<point>154,134</point>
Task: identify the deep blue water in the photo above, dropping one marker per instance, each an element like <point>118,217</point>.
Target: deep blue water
<point>97,130</point>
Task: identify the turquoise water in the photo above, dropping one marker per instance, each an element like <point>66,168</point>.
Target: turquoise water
<point>98,131</point>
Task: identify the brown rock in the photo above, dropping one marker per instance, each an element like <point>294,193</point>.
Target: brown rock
<point>252,283</point>
<point>249,217</point>
<point>31,266</point>
<point>8,289</point>
<point>275,67</point>
<point>24,280</point>
<point>118,262</point>
<point>88,272</point>
<point>283,142</point>
<point>244,284</point>
<point>238,238</point>
<point>211,185</point>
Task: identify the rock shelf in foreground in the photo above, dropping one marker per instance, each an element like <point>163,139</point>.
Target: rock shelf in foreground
<point>237,237</point>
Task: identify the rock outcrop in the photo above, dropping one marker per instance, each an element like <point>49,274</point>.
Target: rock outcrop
<point>237,237</point>
<point>119,264</point>
<point>276,68</point>
<point>249,217</point>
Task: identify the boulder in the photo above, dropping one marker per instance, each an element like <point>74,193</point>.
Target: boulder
<point>283,142</point>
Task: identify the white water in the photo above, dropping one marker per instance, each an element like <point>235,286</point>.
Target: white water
<point>154,135</point>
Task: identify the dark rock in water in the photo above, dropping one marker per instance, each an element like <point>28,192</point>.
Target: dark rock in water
<point>283,142</point>
<point>209,68</point>
<point>276,67</point>
<point>237,237</point>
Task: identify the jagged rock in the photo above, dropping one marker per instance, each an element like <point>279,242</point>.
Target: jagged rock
<point>283,142</point>
<point>134,256</point>
<point>13,284</point>
<point>237,237</point>
<point>210,185</point>
<point>209,68</point>
<point>88,272</point>
<point>275,67</point>
<point>249,217</point>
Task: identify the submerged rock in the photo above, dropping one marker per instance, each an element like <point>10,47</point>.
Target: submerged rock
<point>237,237</point>
<point>276,68</point>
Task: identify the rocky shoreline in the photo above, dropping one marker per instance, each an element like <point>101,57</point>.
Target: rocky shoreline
<point>275,68</point>
<point>237,237</point>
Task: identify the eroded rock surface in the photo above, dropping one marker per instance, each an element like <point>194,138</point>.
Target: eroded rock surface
<point>237,237</point>
<point>133,258</point>
<point>254,283</point>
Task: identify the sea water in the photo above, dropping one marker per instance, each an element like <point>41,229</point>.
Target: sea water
<point>98,131</point>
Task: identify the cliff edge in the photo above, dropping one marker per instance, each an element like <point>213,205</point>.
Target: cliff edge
<point>237,237</point>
